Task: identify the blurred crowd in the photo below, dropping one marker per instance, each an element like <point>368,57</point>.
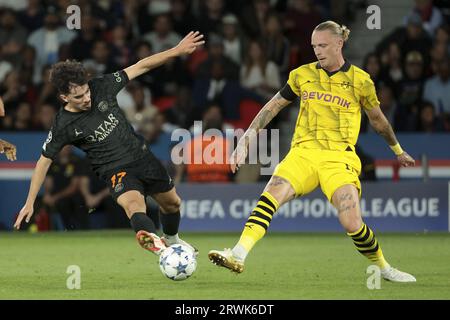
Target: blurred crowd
<point>411,70</point>
<point>250,48</point>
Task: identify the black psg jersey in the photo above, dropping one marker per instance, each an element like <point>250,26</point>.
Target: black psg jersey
<point>103,132</point>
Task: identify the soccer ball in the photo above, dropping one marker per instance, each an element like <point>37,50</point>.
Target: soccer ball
<point>177,262</point>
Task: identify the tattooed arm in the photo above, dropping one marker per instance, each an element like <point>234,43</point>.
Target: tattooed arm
<point>381,125</point>
<point>267,113</point>
<point>262,119</point>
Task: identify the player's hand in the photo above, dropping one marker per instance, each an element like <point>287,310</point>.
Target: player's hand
<point>406,160</point>
<point>190,43</point>
<point>238,156</point>
<point>8,149</point>
<point>25,213</point>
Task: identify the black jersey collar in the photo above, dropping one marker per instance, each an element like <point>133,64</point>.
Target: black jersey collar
<point>345,67</point>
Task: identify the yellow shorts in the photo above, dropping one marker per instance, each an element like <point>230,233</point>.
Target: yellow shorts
<point>305,169</point>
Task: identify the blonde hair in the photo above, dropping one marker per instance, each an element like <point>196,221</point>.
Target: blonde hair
<point>335,28</point>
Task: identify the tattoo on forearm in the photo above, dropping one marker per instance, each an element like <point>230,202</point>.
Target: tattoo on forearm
<point>385,130</point>
<point>270,110</point>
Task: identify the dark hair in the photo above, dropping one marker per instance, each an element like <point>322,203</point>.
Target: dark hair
<point>66,74</point>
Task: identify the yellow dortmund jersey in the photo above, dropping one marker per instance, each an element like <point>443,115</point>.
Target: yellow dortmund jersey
<point>330,105</point>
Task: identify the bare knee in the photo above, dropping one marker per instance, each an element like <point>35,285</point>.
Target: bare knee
<point>134,206</point>
<point>171,205</point>
<point>280,189</point>
<point>349,215</point>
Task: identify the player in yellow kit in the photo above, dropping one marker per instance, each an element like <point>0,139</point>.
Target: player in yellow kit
<point>333,93</point>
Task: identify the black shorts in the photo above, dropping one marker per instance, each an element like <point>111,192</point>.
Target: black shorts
<point>148,176</point>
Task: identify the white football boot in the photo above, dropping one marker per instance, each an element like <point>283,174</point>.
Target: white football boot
<point>168,241</point>
<point>391,274</point>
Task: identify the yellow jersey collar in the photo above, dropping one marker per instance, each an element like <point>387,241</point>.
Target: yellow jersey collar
<point>345,67</point>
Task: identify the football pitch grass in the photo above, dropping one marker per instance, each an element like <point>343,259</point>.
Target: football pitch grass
<point>282,266</point>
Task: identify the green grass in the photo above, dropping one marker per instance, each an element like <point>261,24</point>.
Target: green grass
<point>282,266</point>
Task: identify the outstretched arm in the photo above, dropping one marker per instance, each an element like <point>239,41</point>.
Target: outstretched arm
<point>186,46</point>
<point>381,125</point>
<point>39,174</point>
<point>262,119</point>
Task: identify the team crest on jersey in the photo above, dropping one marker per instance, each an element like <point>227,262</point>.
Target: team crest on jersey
<point>345,85</point>
<point>117,75</point>
<point>102,106</point>
<point>118,187</point>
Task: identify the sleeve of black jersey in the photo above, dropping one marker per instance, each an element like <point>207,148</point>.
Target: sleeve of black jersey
<point>116,81</point>
<point>287,93</point>
<point>56,140</point>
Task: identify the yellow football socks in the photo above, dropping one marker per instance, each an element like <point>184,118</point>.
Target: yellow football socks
<point>366,243</point>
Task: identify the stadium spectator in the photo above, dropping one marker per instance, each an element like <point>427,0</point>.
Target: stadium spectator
<point>81,45</point>
<point>101,61</point>
<point>180,113</point>
<point>61,190</point>
<point>22,120</point>
<point>12,90</point>
<point>431,17</point>
<point>218,89</point>
<point>5,67</point>
<point>120,49</point>
<point>46,115</point>
<point>258,73</point>
<point>140,103</point>
<point>411,37</point>
<point>47,40</point>
<point>438,52</point>
<point>391,60</point>
<point>107,13</point>
<point>169,77</point>
<point>32,17</point>
<point>253,17</point>
<point>299,22</point>
<point>5,147</point>
<point>409,89</point>
<point>216,55</point>
<point>163,37</point>
<point>158,139</point>
<point>13,35</point>
<point>233,41</point>
<point>206,154</point>
<point>46,92</point>
<point>182,19</point>
<point>210,18</point>
<point>276,44</point>
<point>388,105</point>
<point>372,66</point>
<point>428,122</point>
<point>437,88</point>
<point>96,196</point>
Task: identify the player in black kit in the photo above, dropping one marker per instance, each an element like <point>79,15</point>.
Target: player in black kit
<point>92,120</point>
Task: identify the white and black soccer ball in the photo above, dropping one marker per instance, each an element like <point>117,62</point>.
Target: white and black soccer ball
<point>177,262</point>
